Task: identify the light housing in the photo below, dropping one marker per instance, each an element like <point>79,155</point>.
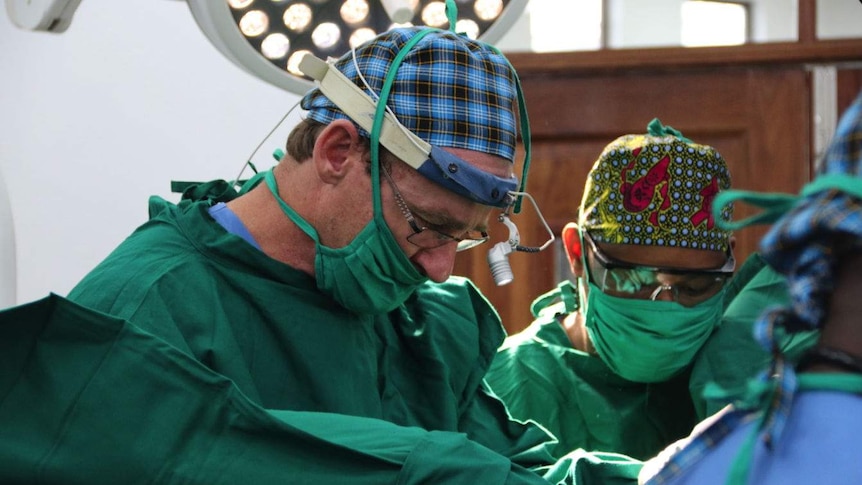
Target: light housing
<point>48,15</point>
<point>278,33</point>
<point>285,30</point>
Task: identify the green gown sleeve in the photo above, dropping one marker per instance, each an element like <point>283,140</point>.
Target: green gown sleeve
<point>88,398</point>
<point>731,356</point>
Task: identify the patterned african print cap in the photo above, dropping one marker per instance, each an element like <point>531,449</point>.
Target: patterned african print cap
<point>656,190</point>
<point>449,90</point>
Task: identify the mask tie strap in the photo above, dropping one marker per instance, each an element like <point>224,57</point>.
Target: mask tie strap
<point>774,205</point>
<point>565,292</point>
<point>269,178</point>
<point>845,183</point>
<point>379,113</point>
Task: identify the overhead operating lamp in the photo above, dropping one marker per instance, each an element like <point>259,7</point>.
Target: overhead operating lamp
<point>268,38</point>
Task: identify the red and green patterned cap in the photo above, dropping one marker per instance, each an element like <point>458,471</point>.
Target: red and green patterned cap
<point>656,190</point>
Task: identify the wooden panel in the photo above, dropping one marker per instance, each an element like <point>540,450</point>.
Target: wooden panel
<point>672,58</point>
<point>849,85</point>
<point>757,118</point>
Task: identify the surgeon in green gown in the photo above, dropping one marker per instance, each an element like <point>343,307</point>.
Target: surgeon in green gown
<point>617,360</point>
<point>308,330</point>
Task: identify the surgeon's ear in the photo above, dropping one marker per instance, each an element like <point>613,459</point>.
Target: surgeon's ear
<point>572,244</point>
<point>338,146</point>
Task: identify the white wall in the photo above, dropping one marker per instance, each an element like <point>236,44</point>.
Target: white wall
<point>837,19</point>
<point>774,20</point>
<point>8,284</point>
<point>96,119</point>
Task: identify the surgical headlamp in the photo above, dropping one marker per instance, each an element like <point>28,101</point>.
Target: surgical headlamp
<point>498,256</point>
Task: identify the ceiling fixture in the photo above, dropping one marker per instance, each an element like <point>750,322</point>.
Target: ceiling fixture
<point>268,38</point>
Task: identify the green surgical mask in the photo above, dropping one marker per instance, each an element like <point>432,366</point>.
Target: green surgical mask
<point>648,341</point>
<point>371,275</point>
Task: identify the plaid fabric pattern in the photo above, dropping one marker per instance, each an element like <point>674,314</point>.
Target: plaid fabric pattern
<point>700,446</point>
<point>656,190</point>
<point>806,242</point>
<point>449,90</point>
<point>805,245</point>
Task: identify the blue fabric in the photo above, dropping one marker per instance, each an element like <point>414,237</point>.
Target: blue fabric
<point>464,179</point>
<point>819,445</point>
<point>449,90</point>
<point>231,223</point>
<point>802,244</point>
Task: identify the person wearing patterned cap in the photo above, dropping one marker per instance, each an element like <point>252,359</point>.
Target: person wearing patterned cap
<point>796,422</point>
<point>308,330</point>
<point>606,363</point>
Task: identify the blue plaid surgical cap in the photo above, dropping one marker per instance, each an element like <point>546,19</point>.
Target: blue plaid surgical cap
<point>449,90</point>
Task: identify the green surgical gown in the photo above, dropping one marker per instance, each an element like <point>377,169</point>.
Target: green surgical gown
<point>540,376</point>
<point>90,399</point>
<point>188,356</point>
<point>266,327</point>
<point>731,356</point>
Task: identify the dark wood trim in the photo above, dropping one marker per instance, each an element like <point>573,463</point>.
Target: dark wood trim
<point>849,86</point>
<point>674,58</point>
<point>807,21</point>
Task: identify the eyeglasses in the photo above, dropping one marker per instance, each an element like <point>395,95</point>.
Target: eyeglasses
<point>427,238</point>
<point>628,280</point>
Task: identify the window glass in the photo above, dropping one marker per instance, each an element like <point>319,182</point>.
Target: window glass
<point>713,23</point>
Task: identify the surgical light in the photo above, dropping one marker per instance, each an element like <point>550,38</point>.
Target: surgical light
<point>354,11</point>
<point>434,14</point>
<point>297,17</point>
<point>268,38</point>
<point>275,46</point>
<point>253,23</point>
<point>264,37</point>
<point>325,36</point>
<point>360,36</point>
<point>488,9</point>
<point>48,15</point>
<point>469,27</point>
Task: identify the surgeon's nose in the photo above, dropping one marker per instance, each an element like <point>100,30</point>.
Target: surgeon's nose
<point>437,263</point>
